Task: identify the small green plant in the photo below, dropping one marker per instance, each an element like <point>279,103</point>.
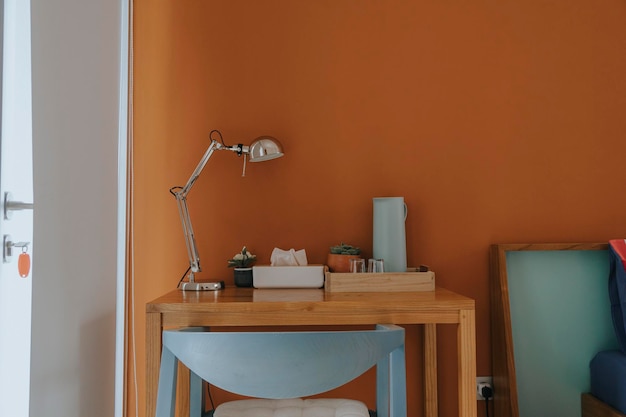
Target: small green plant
<point>344,249</point>
<point>244,259</point>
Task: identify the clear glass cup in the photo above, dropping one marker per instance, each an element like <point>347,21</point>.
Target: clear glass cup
<point>376,265</point>
<point>357,265</point>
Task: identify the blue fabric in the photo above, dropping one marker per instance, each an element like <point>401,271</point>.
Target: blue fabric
<point>617,291</point>
<point>608,378</point>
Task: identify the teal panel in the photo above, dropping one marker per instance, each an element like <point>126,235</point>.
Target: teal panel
<point>561,317</point>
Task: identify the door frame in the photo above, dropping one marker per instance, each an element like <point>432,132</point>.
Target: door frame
<point>124,137</point>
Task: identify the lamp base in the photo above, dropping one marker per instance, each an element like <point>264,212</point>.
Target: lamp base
<point>201,286</point>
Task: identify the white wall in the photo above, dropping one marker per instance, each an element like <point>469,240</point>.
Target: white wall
<point>75,46</point>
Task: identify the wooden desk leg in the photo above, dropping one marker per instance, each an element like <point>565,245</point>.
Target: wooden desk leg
<point>466,346</point>
<point>430,370</point>
<point>153,360</point>
<point>182,399</point>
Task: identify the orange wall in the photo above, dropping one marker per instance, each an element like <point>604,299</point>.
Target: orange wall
<point>497,121</point>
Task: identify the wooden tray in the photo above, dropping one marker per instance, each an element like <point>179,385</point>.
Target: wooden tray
<point>381,282</point>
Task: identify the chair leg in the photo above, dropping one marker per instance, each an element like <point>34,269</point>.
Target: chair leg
<point>382,387</point>
<point>397,385</point>
<point>196,397</point>
<point>391,385</point>
<point>166,394</point>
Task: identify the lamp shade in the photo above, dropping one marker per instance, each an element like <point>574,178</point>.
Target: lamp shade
<point>265,148</point>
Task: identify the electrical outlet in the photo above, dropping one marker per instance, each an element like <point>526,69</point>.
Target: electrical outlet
<point>482,380</point>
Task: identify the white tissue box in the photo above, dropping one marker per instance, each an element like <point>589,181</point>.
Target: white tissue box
<point>310,276</point>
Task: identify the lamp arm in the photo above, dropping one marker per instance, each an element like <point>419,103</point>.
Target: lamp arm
<point>190,241</point>
<point>215,145</point>
<point>196,172</point>
<point>183,210</point>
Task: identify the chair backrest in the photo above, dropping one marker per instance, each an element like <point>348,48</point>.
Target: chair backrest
<point>289,364</point>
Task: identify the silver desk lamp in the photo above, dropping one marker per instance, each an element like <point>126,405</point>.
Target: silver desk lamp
<point>263,148</point>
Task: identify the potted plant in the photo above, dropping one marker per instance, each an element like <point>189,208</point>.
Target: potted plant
<point>340,255</point>
<point>242,262</point>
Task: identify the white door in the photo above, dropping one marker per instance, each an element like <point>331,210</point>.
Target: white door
<point>58,351</point>
<point>76,100</point>
<point>16,178</point>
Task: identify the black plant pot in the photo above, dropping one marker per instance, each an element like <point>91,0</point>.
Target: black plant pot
<point>243,277</point>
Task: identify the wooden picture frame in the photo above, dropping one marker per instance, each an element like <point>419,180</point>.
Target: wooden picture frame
<point>506,401</point>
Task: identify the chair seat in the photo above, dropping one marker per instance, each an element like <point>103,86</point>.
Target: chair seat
<point>296,407</point>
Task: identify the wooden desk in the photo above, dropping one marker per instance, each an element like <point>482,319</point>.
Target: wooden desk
<point>271,307</point>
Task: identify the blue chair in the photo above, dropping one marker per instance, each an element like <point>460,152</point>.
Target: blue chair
<point>277,368</point>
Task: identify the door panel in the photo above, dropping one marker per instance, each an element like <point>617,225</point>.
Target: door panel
<point>76,96</point>
<point>16,178</point>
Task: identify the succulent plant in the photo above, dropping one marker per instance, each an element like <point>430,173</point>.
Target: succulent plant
<point>344,249</point>
<point>243,259</point>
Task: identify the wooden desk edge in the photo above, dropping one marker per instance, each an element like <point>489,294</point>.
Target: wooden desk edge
<point>171,301</point>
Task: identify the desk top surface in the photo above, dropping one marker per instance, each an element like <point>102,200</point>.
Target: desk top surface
<point>250,299</point>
